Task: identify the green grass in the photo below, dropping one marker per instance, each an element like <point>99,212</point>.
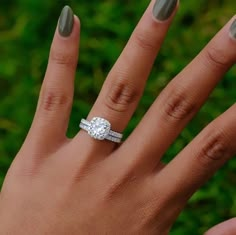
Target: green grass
<point>26,30</point>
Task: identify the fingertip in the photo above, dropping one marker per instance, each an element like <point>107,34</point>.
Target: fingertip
<point>77,25</point>
<point>68,26</point>
<point>77,20</point>
<point>164,12</point>
<point>232,28</point>
<point>76,28</point>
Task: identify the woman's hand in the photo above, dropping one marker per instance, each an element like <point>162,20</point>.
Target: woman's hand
<point>76,186</point>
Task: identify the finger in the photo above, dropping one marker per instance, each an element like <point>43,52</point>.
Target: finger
<point>56,96</point>
<point>125,83</point>
<point>182,98</point>
<point>195,164</point>
<point>226,228</point>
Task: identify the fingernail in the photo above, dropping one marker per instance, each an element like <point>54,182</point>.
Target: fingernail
<point>233,29</point>
<point>163,9</point>
<point>66,22</point>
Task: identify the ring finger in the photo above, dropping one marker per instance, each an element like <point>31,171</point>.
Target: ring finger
<point>124,85</point>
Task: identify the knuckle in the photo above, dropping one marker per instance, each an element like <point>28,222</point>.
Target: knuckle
<point>63,59</point>
<point>215,148</point>
<point>178,106</point>
<point>55,100</point>
<point>145,41</point>
<point>217,57</point>
<point>121,95</point>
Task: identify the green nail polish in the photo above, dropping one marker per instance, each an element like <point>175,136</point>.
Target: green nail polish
<point>66,22</point>
<point>163,9</point>
<point>233,29</point>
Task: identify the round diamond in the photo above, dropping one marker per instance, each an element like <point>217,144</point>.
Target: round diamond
<point>99,128</point>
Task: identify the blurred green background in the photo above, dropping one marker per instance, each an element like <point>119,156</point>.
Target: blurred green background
<point>26,30</point>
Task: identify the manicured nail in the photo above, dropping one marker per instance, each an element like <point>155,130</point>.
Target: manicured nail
<point>233,29</point>
<point>163,9</point>
<point>66,22</point>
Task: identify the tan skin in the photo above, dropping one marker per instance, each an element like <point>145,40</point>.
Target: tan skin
<point>81,185</point>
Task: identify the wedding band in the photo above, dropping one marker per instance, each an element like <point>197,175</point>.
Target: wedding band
<point>100,129</point>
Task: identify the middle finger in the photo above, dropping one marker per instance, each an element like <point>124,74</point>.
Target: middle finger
<point>182,98</point>
<point>125,83</point>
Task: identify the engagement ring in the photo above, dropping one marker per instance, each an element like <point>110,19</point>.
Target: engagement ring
<point>100,129</point>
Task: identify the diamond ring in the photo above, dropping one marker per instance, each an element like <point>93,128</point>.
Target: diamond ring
<point>100,129</point>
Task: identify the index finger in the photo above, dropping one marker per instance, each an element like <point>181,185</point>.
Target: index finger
<point>195,164</point>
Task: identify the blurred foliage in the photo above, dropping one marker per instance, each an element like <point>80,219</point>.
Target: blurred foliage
<point>26,30</point>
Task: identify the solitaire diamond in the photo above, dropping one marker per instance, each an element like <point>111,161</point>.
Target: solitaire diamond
<point>99,128</point>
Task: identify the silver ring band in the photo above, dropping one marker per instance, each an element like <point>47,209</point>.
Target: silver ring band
<point>100,129</point>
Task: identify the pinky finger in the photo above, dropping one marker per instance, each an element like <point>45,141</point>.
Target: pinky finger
<point>52,115</point>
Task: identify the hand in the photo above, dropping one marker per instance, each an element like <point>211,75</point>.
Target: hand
<point>85,186</point>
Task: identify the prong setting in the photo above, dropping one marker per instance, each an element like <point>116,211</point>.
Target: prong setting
<point>99,128</point>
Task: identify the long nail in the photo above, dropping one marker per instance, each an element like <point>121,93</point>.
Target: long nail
<point>233,29</point>
<point>163,9</point>
<point>66,22</point>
